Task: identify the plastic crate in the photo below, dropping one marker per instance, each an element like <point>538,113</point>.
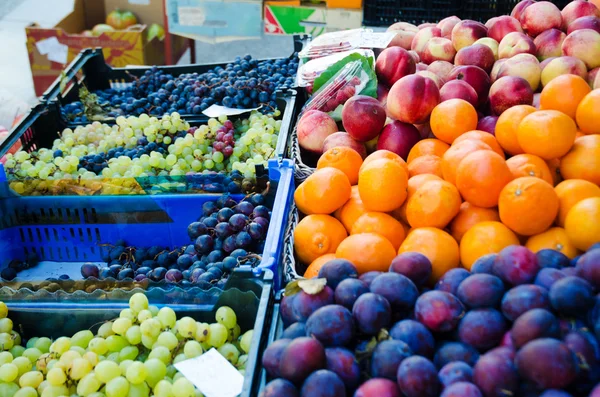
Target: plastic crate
<point>482,10</point>
<point>387,12</point>
<point>65,231</point>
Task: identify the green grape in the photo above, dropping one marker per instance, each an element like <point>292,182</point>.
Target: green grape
<point>124,365</point>
<point>148,342</point>
<point>92,358</point>
<point>56,377</point>
<point>107,370</point>
<point>156,370</point>
<point>171,371</point>
<point>105,330</point>
<point>179,358</point>
<point>127,313</point>
<point>31,379</point>
<point>80,368</point>
<point>78,349</point>
<point>161,353</point>
<point>230,352</point>
<point>202,331</point>
<point>26,391</point>
<point>167,317</point>
<point>209,164</point>
<point>6,357</point>
<point>116,343</point>
<point>134,335</point>
<point>8,372</point>
<point>168,340</point>
<point>121,325</point>
<point>218,157</point>
<point>163,389</point>
<point>113,357</point>
<point>177,376</point>
<point>192,349</point>
<point>139,390</point>
<point>55,391</point>
<point>226,316</point>
<point>151,327</point>
<point>17,350</point>
<point>31,342</point>
<point>23,364</point>
<point>128,353</point>
<point>236,332</point>
<point>42,386</point>
<point>242,360</point>
<point>88,385</point>
<point>117,387</point>
<point>153,309</point>
<point>98,345</point>
<point>97,394</point>
<point>183,388</point>
<point>217,335</point>
<point>69,357</point>
<point>136,373</point>
<point>246,341</point>
<point>186,327</point>
<point>6,341</point>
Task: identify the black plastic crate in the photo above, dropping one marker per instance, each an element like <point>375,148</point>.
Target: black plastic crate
<point>482,10</point>
<point>387,12</point>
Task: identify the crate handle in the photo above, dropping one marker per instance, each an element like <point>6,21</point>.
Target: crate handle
<point>72,70</point>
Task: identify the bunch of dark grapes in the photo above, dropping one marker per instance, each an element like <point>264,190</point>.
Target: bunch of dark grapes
<point>97,162</point>
<point>225,139</point>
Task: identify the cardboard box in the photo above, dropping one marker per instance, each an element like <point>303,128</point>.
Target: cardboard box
<point>51,49</point>
<point>314,20</point>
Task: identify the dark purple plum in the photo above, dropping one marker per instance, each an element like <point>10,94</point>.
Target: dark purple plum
<point>585,347</point>
<point>417,377</point>
<point>343,362</point>
<point>516,265</point>
<point>588,267</point>
<point>413,265</point>
<point>323,383</point>
<point>522,298</point>
<point>507,341</point>
<point>279,388</point>
<point>572,296</point>
<point>286,310</point>
<point>462,389</point>
<point>348,291</point>
<point>294,331</point>
<point>496,375</point>
<point>507,352</point>
<point>379,387</point>
<point>595,392</point>
<point>306,304</point>
<point>450,281</point>
<point>300,358</point>
<point>272,356</point>
<point>332,325</point>
<point>415,335</point>
<point>555,393</point>
<point>399,290</point>
<point>173,276</point>
<point>534,324</point>
<point>481,290</point>
<point>336,271</point>
<point>372,312</point>
<point>439,311</point>
<point>570,271</point>
<point>549,258</point>
<point>196,229</point>
<point>369,276</point>
<point>484,264</point>
<point>548,276</point>
<point>455,351</point>
<point>546,362</point>
<point>482,328</point>
<point>90,270</point>
<point>455,371</point>
<point>204,244</point>
<point>571,324</point>
<point>386,358</point>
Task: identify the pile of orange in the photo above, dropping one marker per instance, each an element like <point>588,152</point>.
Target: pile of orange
<point>463,193</point>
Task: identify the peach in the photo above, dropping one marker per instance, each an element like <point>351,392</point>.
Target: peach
<point>415,56</point>
<point>467,32</point>
<point>546,62</point>
<point>596,82</point>
<point>490,22</point>
<point>539,17</point>
<point>515,43</point>
<point>488,124</point>
<point>425,130</point>
<point>520,7</point>
<point>476,54</point>
<point>412,98</point>
<point>475,77</point>
<point>592,77</point>
<point>536,100</point>
<point>399,138</point>
<point>405,32</point>
<point>459,89</point>
<point>522,65</point>
<point>427,25</point>
<point>422,37</point>
<point>509,91</point>
<point>438,49</point>
<point>584,23</point>
<point>493,44</point>
<point>496,68</point>
<point>503,25</point>
<point>585,45</point>
<point>313,128</point>
<point>563,65</point>
<point>394,63</point>
<point>403,26</point>
<point>447,24</point>
<point>439,82</point>
<point>344,139</point>
<point>363,117</point>
<point>577,9</point>
<point>441,68</point>
<point>421,66</point>
<point>382,93</point>
<point>549,43</point>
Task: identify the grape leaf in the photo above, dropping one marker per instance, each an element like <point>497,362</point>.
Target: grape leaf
<point>367,65</point>
<point>312,286</point>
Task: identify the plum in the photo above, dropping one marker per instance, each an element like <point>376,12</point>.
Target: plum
<point>572,296</point>
<point>417,377</point>
<point>588,267</point>
<point>415,335</point>
<point>585,347</point>
<point>378,387</point>
<point>534,324</point>
<point>372,312</point>
<point>496,375</point>
<point>337,270</point>
<point>484,264</point>
<point>548,276</point>
<point>348,291</point>
<point>272,356</point>
<point>519,299</point>
<point>300,358</point>
<point>461,389</point>
<point>552,258</point>
<point>546,362</point>
<point>305,304</point>
<point>279,388</point>
<point>332,325</point>
<point>455,351</point>
<point>482,328</point>
<point>439,311</point>
<point>455,371</point>
<point>286,310</point>
<point>386,358</point>
<point>555,393</point>
<point>480,290</point>
<point>450,281</point>
<point>294,331</point>
<point>413,265</point>
<point>516,265</point>
<point>343,362</point>
<point>368,277</point>
<point>323,383</point>
<point>399,290</point>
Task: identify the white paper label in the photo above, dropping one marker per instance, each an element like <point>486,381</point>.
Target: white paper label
<point>53,49</point>
<point>215,111</point>
<point>191,16</point>
<point>140,2</point>
<point>212,374</point>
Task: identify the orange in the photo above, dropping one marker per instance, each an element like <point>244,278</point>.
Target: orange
<point>382,224</point>
<point>382,185</point>
<point>554,167</point>
<point>384,154</point>
<point>368,252</point>
<point>481,176</point>
<point>570,192</point>
<point>317,235</point>
<point>588,113</point>
<point>344,159</point>
<point>456,154</point>
<point>468,216</point>
<point>528,205</point>
<point>484,137</point>
<point>554,238</point>
<point>417,181</point>
<point>427,164</point>
<point>437,245</point>
<point>450,119</point>
<point>485,238</point>
<point>507,126</point>
<point>564,93</point>
<point>400,214</point>
<point>529,165</point>
<point>351,211</point>
<point>583,160</point>
<point>427,146</point>
<point>323,192</point>
<point>583,223</point>
<point>547,133</point>
<point>434,204</point>
<point>317,264</point>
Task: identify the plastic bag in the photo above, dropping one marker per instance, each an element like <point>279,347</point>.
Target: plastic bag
<point>343,41</point>
<point>311,70</point>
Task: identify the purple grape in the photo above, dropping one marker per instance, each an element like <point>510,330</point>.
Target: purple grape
<point>204,244</point>
<point>534,324</point>
<point>264,222</point>
<point>417,377</point>
<point>547,363</point>
<point>399,290</point>
<point>336,271</point>
<point>196,229</point>
<point>455,371</point>
<point>482,328</point>
<point>89,270</point>
<point>229,244</point>
<point>224,214</point>
<point>386,358</point>
<point>371,312</point>
<point>157,274</point>
<point>125,274</point>
<point>484,264</point>
<point>243,240</point>
<point>481,290</point>
<point>279,388</point>
<point>439,311</point>
<point>255,231</point>
<point>184,262</point>
<point>462,389</point>
<point>306,304</point>
<point>323,383</point>
<point>368,277</point>
<point>348,291</point>
<point>415,335</point>
<point>522,298</point>
<point>572,296</point>
<point>173,276</point>
<point>143,270</point>
<point>332,325</point>
<point>344,364</point>
<point>549,258</point>
<point>378,388</point>
<point>272,356</point>
<point>223,229</point>
<point>588,267</point>
<point>300,358</point>
<point>238,222</point>
<point>209,207</point>
<point>294,331</point>
<point>244,207</point>
<point>211,222</point>
<point>516,265</point>
<point>496,375</point>
<point>413,265</point>
<point>196,273</point>
<point>105,273</point>
<point>139,277</point>
<point>548,276</point>
<point>455,351</point>
<point>261,211</point>
<point>555,393</point>
<point>450,281</point>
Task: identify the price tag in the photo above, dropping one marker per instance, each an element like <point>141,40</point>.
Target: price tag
<point>191,16</point>
<point>215,111</point>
